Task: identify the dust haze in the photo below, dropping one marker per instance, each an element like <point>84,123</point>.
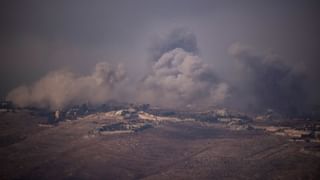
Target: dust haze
<point>62,88</point>
<point>159,89</point>
<point>188,53</point>
<point>177,73</point>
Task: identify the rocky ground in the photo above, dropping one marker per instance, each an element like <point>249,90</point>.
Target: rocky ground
<point>164,150</point>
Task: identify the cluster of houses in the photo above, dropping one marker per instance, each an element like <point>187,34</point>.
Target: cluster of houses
<point>235,121</point>
<point>6,106</point>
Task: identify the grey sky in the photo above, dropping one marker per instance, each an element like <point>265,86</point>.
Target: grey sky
<point>41,36</point>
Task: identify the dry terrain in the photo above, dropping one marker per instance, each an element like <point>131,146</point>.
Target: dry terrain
<point>169,150</point>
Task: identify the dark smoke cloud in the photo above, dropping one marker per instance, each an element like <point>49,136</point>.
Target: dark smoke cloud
<point>271,82</point>
<point>177,38</point>
<point>62,88</point>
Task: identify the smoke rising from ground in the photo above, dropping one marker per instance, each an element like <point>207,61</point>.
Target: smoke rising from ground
<point>177,77</point>
<point>177,38</point>
<point>181,78</point>
<point>268,81</point>
<point>62,88</point>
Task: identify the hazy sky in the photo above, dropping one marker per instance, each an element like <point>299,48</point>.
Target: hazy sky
<point>40,36</point>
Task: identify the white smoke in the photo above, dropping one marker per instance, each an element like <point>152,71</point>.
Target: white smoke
<point>61,88</point>
<point>177,77</point>
<point>181,78</point>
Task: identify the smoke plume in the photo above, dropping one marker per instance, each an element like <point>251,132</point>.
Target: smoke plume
<point>61,88</point>
<point>177,77</point>
<point>268,81</point>
<point>180,78</point>
<point>177,38</point>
